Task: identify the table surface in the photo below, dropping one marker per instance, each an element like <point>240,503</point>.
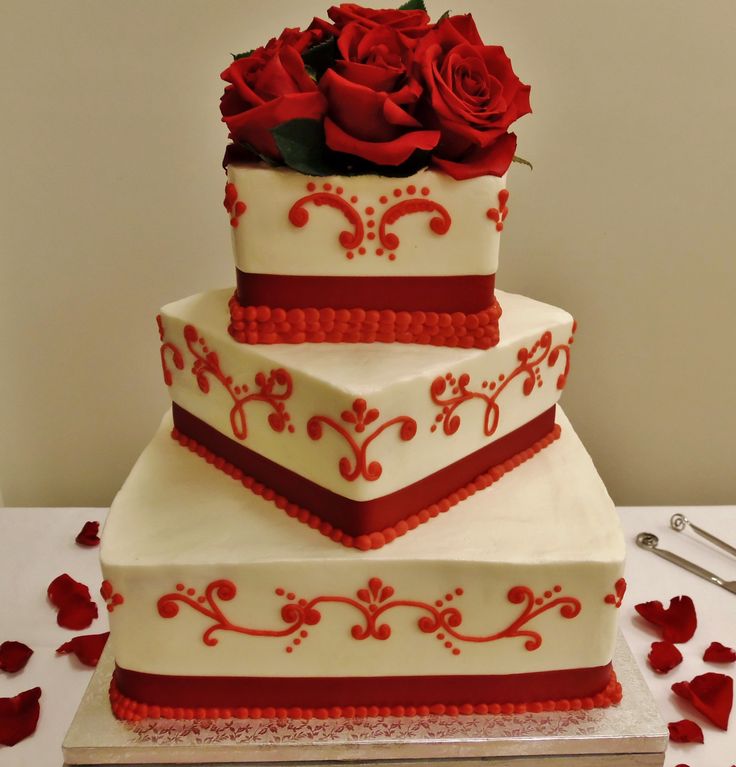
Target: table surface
<point>36,545</point>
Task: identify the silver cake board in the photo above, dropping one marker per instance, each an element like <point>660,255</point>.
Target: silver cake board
<point>628,735</point>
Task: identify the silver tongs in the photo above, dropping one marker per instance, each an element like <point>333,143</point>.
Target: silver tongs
<point>679,522</point>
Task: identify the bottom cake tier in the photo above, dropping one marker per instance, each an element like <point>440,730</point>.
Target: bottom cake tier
<point>220,606</point>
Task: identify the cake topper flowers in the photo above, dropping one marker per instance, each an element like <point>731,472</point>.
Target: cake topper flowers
<point>376,91</point>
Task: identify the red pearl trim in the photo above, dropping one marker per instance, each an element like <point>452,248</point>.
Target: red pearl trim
<point>377,539</point>
<point>132,710</point>
<point>268,325</point>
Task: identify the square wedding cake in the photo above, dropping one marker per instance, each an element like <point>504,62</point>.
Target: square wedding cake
<point>365,500</point>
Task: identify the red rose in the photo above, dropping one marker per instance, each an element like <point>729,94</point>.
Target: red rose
<point>324,27</point>
<point>370,124</point>
<point>472,96</point>
<point>267,88</point>
<point>300,40</point>
<point>378,58</point>
<point>410,24</point>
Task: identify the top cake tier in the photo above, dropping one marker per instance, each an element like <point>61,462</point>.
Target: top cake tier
<point>307,247</point>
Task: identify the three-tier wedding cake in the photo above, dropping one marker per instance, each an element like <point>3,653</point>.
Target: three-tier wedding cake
<point>372,503</point>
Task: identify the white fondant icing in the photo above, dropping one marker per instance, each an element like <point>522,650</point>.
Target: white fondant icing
<point>394,378</point>
<point>265,241</point>
<point>177,520</point>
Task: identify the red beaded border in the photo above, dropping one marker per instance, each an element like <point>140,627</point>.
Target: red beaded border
<point>132,711</point>
<point>378,539</point>
<point>267,325</point>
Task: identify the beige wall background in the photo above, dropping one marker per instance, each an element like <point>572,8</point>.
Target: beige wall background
<point>110,205</point>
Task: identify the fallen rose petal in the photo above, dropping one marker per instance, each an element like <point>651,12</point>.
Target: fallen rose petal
<point>718,653</point>
<point>76,608</point>
<point>106,590</point>
<point>685,731</point>
<point>14,656</point>
<point>19,716</point>
<point>89,534</point>
<point>678,622</point>
<point>63,588</point>
<point>664,656</point>
<point>711,694</point>
<point>88,648</point>
<point>77,614</point>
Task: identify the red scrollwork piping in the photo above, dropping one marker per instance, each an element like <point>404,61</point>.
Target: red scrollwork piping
<point>353,240</point>
<point>372,603</point>
<point>360,417</point>
<point>439,224</point>
<point>167,346</point>
<point>233,205</point>
<point>616,599</point>
<point>299,216</point>
<point>206,604</point>
<point>111,597</point>
<point>498,215</point>
<point>529,367</point>
<point>274,389</point>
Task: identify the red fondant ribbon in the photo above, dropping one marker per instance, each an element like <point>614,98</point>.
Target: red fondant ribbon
<point>317,692</point>
<point>363,517</point>
<point>449,293</point>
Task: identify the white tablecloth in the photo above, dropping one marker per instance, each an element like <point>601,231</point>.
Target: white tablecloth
<point>36,545</point>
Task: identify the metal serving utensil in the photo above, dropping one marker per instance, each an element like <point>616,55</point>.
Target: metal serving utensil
<point>679,522</point>
<point>651,542</point>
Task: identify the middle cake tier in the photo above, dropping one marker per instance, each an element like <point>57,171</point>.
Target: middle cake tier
<point>364,441</point>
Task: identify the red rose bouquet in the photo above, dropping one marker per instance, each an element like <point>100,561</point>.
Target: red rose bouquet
<point>376,91</point>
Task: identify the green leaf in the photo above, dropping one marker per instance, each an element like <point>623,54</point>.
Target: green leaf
<point>445,15</point>
<point>319,58</point>
<point>245,55</point>
<point>413,5</point>
<point>302,145</point>
<point>522,161</point>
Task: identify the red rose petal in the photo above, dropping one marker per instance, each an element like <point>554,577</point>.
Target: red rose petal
<point>664,656</point>
<point>412,23</point>
<point>76,608</point>
<point>63,588</point>
<point>77,614</point>
<point>106,590</point>
<point>678,622</point>
<point>88,648</point>
<point>718,653</point>
<point>685,731</point>
<point>711,694</point>
<point>493,160</point>
<point>89,534</point>
<point>14,656</point>
<point>19,716</point>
